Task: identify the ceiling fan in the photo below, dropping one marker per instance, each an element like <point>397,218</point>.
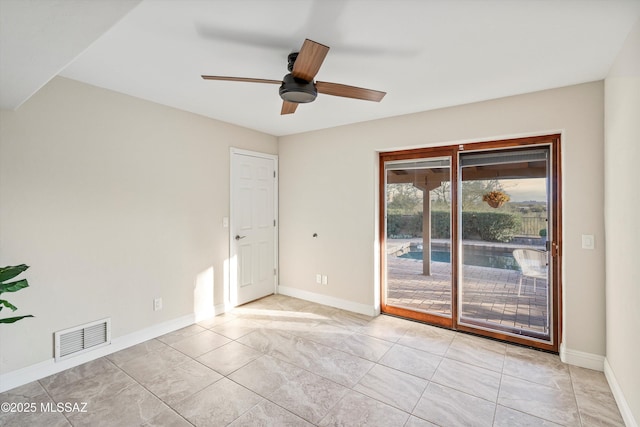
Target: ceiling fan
<point>298,86</point>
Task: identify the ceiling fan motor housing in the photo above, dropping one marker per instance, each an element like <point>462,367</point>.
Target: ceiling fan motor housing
<point>296,90</point>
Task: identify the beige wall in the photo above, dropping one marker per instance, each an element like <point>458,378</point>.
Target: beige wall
<point>328,185</point>
<point>622,207</point>
<point>112,201</point>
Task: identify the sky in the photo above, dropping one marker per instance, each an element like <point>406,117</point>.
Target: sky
<point>524,190</point>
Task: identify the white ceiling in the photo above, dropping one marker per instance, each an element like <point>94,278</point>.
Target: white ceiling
<point>425,54</point>
<point>38,38</point>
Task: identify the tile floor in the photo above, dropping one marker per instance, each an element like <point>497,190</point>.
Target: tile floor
<point>282,361</point>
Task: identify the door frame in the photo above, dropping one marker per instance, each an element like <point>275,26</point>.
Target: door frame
<point>556,246</point>
<point>231,276</point>
<point>433,152</point>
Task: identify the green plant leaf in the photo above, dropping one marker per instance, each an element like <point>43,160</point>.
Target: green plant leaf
<point>7,304</point>
<point>14,319</point>
<point>10,272</point>
<point>14,286</point>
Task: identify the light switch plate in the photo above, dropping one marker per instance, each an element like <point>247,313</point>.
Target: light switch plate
<point>588,241</point>
<point>225,222</point>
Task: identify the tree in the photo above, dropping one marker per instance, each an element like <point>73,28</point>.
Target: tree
<point>403,199</point>
<point>441,196</point>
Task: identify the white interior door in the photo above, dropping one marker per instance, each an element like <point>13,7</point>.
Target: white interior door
<point>253,228</point>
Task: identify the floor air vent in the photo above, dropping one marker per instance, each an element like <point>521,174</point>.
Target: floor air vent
<point>80,339</point>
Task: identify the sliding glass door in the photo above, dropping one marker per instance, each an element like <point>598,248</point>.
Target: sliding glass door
<point>470,237</point>
<point>418,238</point>
<point>504,280</point>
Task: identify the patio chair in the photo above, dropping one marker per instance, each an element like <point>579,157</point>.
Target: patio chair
<point>533,263</point>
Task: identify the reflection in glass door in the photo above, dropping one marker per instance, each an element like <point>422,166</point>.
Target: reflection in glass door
<point>418,239</point>
<point>504,277</point>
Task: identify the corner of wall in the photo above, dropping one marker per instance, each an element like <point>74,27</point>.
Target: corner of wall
<point>623,405</point>
<point>581,358</point>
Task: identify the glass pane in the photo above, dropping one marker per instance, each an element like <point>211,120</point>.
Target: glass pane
<point>418,235</point>
<point>504,281</point>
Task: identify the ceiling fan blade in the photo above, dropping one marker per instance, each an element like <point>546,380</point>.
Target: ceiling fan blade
<point>309,60</point>
<point>345,91</point>
<point>288,107</point>
<point>242,79</point>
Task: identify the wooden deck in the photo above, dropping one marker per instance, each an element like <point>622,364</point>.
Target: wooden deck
<point>488,294</point>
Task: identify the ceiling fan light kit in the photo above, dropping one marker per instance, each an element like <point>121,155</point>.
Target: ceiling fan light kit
<point>298,87</point>
<point>297,90</point>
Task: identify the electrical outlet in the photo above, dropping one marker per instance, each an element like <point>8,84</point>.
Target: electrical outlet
<point>325,280</point>
<point>318,278</point>
<point>157,304</point>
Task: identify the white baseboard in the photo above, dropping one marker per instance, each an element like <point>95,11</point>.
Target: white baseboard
<point>581,358</point>
<point>43,369</point>
<point>210,312</point>
<point>355,307</point>
<point>623,406</point>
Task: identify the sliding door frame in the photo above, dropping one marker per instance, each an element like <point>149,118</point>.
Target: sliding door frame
<point>403,312</point>
<point>553,141</point>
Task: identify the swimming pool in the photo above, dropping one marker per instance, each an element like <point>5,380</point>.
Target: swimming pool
<point>481,258</point>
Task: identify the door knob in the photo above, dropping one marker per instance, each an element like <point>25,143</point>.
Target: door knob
<point>238,237</point>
